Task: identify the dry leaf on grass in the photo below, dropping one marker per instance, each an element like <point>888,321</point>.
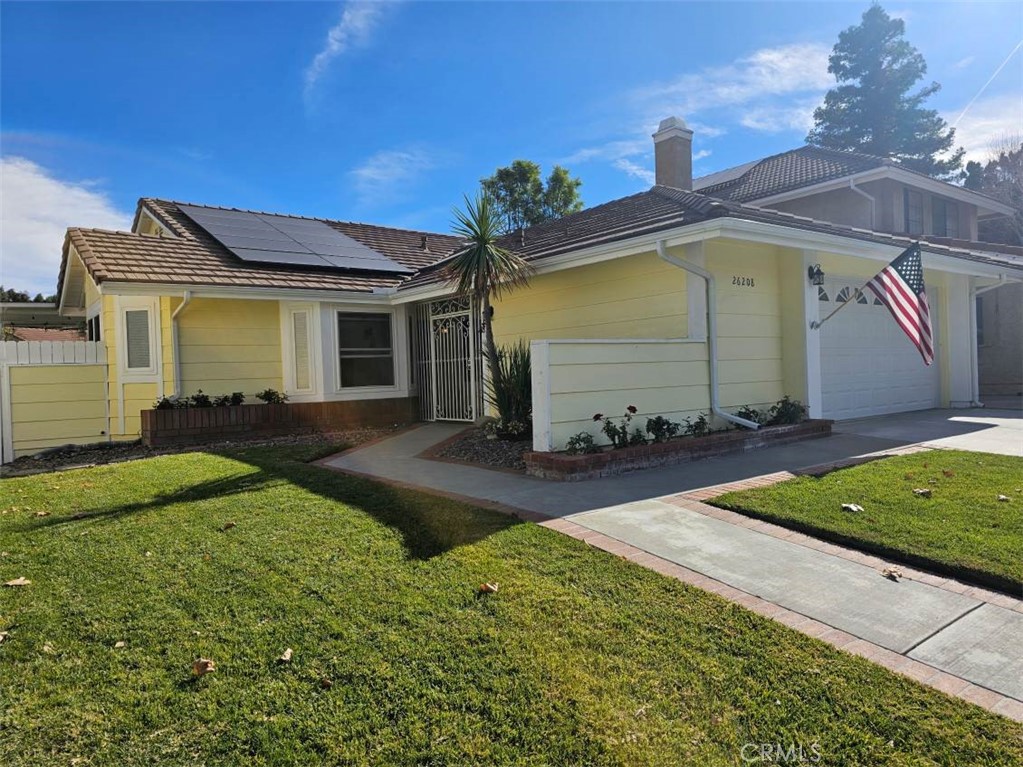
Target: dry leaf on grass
<point>4,635</point>
<point>851,507</point>
<point>326,684</point>
<point>948,472</point>
<point>892,573</point>
<point>119,645</point>
<point>227,526</point>
<point>41,514</point>
<point>488,588</point>
<point>49,648</point>
<point>203,666</point>
<point>923,492</point>
<point>286,656</point>
<point>22,581</point>
<point>1003,498</point>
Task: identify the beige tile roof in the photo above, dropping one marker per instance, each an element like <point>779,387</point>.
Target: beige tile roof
<point>192,257</point>
<point>43,334</point>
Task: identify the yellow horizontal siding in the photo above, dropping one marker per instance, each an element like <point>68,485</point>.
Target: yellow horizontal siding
<point>230,345</point>
<point>633,297</point>
<point>55,405</point>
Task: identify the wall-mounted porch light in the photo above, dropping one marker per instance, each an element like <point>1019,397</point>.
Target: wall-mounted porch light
<point>815,275</point>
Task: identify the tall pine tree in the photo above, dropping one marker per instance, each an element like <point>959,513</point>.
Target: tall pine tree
<point>872,110</point>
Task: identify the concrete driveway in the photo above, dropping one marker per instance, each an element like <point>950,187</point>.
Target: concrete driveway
<point>985,430</point>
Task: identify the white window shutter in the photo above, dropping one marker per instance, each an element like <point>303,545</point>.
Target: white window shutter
<point>300,325</point>
<point>136,323</point>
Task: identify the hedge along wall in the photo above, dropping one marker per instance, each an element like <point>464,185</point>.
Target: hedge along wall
<point>575,378</point>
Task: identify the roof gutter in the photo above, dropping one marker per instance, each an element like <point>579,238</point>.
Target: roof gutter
<point>712,333</point>
<point>870,197</point>
<point>186,299</point>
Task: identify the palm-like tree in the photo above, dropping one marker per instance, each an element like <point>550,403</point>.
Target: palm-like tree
<point>482,269</point>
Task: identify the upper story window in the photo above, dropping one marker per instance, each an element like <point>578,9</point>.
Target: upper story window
<point>365,349</point>
<point>913,211</point>
<point>944,217</point>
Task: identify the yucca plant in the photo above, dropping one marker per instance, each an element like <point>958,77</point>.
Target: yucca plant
<point>511,391</point>
<point>483,269</point>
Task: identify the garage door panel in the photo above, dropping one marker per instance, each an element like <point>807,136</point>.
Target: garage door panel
<point>868,365</point>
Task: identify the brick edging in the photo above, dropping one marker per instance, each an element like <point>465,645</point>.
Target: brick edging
<point>564,467</point>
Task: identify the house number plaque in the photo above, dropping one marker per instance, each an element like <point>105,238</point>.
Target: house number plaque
<point>743,282</point>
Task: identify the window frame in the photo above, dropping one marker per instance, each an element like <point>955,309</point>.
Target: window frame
<point>339,386</point>
<point>151,307</point>
<point>949,213</point>
<point>907,195</point>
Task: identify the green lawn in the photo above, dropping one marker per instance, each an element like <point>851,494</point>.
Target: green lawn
<point>579,658</point>
<point>961,530</point>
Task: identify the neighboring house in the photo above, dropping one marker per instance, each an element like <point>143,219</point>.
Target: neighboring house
<point>876,194</point>
<point>361,319</point>
<point>14,333</point>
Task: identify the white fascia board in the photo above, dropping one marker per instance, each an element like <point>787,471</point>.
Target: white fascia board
<point>773,234</point>
<point>593,255</point>
<point>110,287</point>
<point>931,185</point>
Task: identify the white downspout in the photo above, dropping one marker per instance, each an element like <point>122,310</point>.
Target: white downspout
<point>873,202</point>
<point>186,298</point>
<point>712,334</point>
<point>974,361</point>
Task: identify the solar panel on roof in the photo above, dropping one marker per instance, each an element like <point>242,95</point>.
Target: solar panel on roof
<point>266,238</point>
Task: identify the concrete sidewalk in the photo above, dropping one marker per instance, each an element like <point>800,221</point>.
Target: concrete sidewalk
<point>960,639</point>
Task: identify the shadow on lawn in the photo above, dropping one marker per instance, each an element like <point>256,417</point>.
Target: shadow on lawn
<point>429,525</point>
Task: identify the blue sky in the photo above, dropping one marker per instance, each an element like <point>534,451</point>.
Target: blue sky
<point>390,112</point>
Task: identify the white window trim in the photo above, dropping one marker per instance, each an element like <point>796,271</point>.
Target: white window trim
<point>396,336</point>
<point>150,374</point>
<point>311,310</point>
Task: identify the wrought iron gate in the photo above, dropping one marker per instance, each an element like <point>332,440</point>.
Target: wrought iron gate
<point>446,360</point>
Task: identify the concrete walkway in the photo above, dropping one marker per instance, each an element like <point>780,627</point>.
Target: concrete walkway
<point>960,639</point>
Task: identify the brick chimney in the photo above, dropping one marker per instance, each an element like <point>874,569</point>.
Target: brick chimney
<point>673,154</point>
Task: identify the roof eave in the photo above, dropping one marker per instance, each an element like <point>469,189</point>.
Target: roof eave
<point>983,202</point>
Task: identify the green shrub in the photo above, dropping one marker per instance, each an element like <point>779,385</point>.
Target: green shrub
<point>662,429</point>
<point>786,411</point>
<point>200,400</point>
<point>272,397</point>
<point>224,400</point>
<point>619,433</point>
<point>752,414</point>
<point>511,392</point>
<point>581,443</point>
<point>166,403</point>
<point>698,427</point>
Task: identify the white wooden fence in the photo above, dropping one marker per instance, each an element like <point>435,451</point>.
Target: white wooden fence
<point>49,403</point>
<point>52,353</point>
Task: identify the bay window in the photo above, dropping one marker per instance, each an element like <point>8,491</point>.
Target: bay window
<point>365,349</point>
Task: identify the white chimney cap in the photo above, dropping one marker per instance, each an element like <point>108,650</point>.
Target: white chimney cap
<point>671,127</point>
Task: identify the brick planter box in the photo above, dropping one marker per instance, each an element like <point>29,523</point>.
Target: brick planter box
<point>562,466</point>
<point>195,425</point>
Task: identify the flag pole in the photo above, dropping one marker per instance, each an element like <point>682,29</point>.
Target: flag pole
<point>814,325</point>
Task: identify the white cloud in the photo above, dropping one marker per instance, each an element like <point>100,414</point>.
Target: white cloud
<point>778,118</point>
<point>963,63</point>
<point>354,29</point>
<point>36,210</point>
<point>380,177</point>
<point>988,124</point>
<point>771,90</point>
<point>702,154</point>
<point>635,170</point>
<point>781,71</point>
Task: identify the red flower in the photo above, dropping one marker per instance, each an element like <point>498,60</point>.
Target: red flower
<point>631,409</point>
<point>598,416</point>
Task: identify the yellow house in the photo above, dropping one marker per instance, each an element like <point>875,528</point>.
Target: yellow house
<point>671,300</point>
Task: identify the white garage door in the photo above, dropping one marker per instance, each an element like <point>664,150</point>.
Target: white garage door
<point>868,365</point>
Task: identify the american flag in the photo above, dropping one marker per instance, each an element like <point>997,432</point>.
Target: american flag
<point>900,285</point>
